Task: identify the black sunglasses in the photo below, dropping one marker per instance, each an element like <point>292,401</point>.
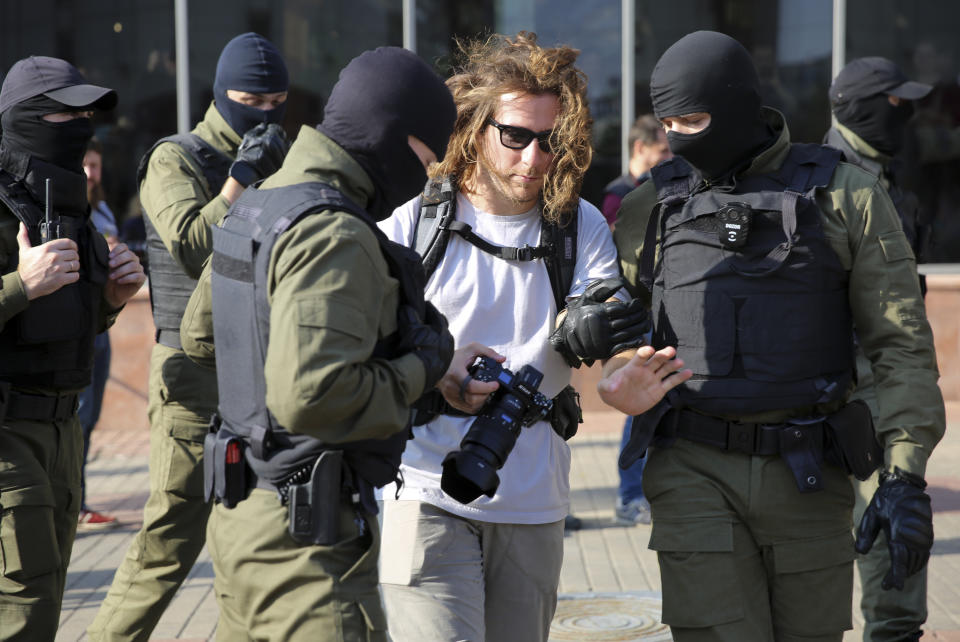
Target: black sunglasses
<point>519,137</point>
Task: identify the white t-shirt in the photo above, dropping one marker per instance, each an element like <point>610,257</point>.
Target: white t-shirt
<point>508,306</point>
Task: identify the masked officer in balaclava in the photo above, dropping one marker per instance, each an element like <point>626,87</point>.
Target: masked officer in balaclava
<point>60,287</point>
<point>872,100</point>
<point>760,256</point>
<point>187,182</point>
<point>323,340</point>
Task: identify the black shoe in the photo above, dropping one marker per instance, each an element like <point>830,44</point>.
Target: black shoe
<point>571,523</point>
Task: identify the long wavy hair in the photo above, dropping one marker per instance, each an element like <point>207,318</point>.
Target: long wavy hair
<point>499,65</point>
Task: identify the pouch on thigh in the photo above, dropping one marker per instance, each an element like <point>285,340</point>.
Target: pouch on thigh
<point>698,573</point>
<point>28,538</point>
<point>812,587</point>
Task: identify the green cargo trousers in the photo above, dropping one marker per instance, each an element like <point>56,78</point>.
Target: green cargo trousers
<point>744,556</point>
<point>175,515</point>
<point>269,587</point>
<point>888,616</point>
<point>40,498</point>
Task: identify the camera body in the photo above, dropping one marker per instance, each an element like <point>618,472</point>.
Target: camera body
<point>472,470</point>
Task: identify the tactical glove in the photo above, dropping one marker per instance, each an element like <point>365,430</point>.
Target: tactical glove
<point>429,339</point>
<point>261,153</point>
<point>902,509</point>
<point>597,329</point>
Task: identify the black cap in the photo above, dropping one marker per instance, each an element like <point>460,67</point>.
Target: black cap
<point>56,79</point>
<point>865,77</point>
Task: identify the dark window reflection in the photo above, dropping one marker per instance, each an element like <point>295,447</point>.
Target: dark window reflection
<point>921,38</point>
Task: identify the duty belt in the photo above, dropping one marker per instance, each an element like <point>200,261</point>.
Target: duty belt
<point>799,444</point>
<point>733,435</point>
<point>30,407</point>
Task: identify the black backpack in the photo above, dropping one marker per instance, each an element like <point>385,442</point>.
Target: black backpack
<point>438,218</point>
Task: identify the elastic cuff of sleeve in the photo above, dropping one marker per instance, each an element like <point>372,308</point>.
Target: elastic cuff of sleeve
<point>13,294</point>
<point>908,457</point>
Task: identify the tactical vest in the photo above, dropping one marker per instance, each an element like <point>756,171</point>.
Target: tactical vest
<point>242,246</point>
<point>50,343</point>
<point>438,218</point>
<point>907,204</point>
<point>170,287</point>
<point>748,288</point>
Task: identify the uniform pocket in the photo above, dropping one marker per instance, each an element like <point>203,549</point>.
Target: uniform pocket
<point>28,536</point>
<point>698,573</point>
<point>817,573</point>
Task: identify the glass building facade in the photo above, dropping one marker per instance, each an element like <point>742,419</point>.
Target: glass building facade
<point>131,45</point>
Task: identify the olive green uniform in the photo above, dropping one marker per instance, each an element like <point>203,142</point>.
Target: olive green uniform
<point>331,299</point>
<point>40,479</point>
<point>743,555</point>
<point>183,396</point>
<point>888,615</point>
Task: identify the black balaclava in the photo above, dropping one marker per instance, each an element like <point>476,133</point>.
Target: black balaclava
<point>60,144</point>
<point>382,97</point>
<point>706,71</point>
<point>876,121</point>
<point>249,63</point>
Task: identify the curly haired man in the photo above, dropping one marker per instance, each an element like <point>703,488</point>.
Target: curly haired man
<point>486,565</point>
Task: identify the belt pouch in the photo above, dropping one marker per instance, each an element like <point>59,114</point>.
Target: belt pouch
<point>314,507</point>
<point>852,440</point>
<point>230,478</point>
<point>566,416</point>
<point>802,449</point>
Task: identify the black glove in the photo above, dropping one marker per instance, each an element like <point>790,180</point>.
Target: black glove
<point>596,329</point>
<point>902,509</point>
<point>261,153</point>
<point>429,339</point>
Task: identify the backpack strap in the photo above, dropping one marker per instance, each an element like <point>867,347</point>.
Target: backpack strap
<point>436,220</point>
<point>561,258</point>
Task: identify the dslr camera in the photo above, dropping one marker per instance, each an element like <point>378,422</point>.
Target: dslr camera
<point>472,470</point>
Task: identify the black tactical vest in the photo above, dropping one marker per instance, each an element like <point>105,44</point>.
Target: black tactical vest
<point>50,343</point>
<point>907,203</point>
<point>242,245</point>
<point>748,289</point>
<point>170,287</point>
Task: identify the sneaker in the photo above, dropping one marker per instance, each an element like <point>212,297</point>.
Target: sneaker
<point>571,523</point>
<point>636,511</point>
<point>91,520</point>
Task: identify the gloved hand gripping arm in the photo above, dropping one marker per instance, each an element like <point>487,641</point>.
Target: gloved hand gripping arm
<point>901,508</point>
<point>595,328</point>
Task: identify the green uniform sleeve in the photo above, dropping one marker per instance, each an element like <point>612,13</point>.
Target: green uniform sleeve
<point>196,327</point>
<point>332,298</point>
<point>861,224</point>
<point>13,298</point>
<point>175,199</point>
<point>628,234</point>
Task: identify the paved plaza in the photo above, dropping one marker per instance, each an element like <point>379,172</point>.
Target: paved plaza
<point>609,583</point>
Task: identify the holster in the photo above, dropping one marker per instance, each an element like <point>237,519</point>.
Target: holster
<point>224,465</point>
<point>566,416</point>
<point>801,447</point>
<point>851,441</point>
<point>314,506</point>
